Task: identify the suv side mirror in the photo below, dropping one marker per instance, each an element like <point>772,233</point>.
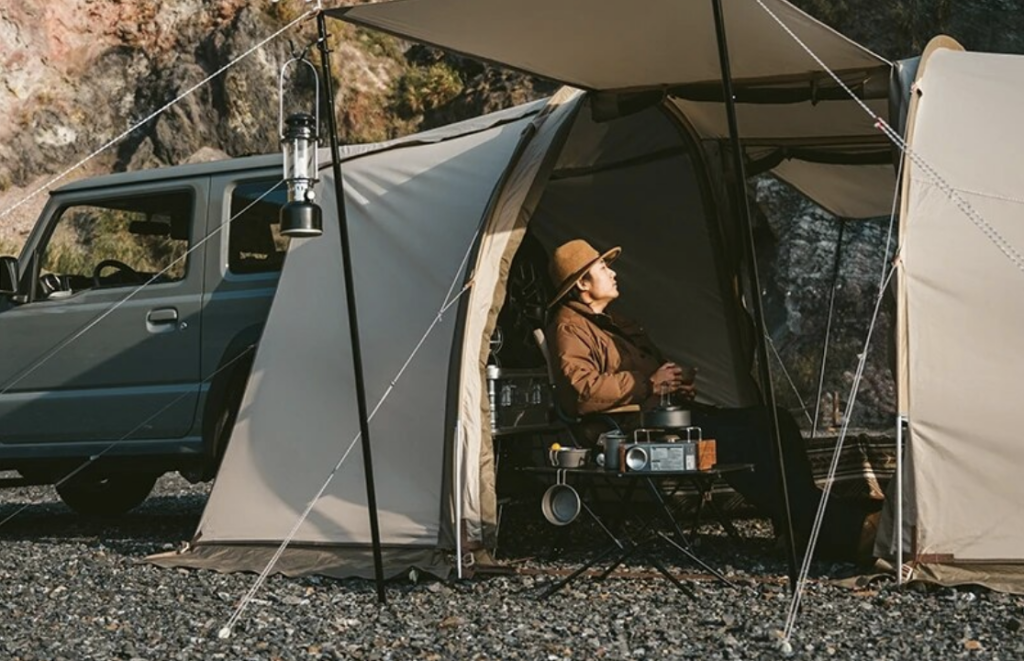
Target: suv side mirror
<point>8,275</point>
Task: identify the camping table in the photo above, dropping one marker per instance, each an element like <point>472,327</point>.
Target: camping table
<point>625,484</point>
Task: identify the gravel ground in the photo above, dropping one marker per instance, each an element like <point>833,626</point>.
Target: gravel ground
<point>73,589</point>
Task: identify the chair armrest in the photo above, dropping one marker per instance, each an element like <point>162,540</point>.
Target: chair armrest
<point>625,408</point>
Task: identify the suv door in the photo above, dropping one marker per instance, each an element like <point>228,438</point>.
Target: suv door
<point>95,355</point>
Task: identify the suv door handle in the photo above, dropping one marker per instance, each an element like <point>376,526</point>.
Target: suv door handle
<point>162,316</point>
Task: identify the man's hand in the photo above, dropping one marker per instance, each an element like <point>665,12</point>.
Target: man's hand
<point>671,378</point>
<point>667,379</point>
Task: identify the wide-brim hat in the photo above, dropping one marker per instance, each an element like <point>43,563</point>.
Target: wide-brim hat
<point>571,260</point>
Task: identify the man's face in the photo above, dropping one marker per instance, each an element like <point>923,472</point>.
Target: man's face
<point>599,283</point>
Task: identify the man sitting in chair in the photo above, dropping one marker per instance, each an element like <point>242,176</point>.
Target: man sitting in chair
<point>605,362</point>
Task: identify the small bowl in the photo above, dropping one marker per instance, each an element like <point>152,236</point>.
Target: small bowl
<point>569,457</point>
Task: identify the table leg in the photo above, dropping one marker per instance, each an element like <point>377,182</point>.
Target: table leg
<point>726,522</point>
<point>667,574</point>
<point>618,561</point>
<point>573,576</point>
<point>685,546</point>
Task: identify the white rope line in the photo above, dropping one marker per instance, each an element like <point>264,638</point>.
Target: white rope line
<point>892,229</point>
<point>151,116</point>
<point>778,357</point>
<point>833,467</point>
<point>93,323</point>
<point>128,435</point>
<point>109,311</point>
<point>828,338</point>
<point>991,196</point>
<point>986,228</point>
<point>228,628</point>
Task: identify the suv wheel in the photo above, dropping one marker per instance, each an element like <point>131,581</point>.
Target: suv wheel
<point>106,496</point>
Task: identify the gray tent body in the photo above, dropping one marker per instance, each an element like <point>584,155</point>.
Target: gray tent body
<point>444,212</point>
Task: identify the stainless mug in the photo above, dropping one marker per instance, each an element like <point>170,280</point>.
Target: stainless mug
<point>612,440</point>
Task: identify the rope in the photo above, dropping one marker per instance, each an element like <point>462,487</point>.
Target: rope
<point>228,628</point>
<point>128,435</point>
<point>828,329</point>
<point>794,606</point>
<point>984,226</point>
<point>110,143</point>
<point>99,318</point>
<point>778,357</point>
<point>106,313</point>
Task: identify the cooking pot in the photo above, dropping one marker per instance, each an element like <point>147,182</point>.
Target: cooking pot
<point>667,416</point>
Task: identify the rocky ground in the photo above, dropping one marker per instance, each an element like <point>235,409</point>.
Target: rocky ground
<point>77,589</point>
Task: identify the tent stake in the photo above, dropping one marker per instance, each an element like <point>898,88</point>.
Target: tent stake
<point>768,392</point>
<point>350,299</point>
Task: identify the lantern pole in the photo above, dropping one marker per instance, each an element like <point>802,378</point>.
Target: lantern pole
<point>350,299</point>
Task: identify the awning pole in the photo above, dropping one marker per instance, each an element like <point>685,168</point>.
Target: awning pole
<point>350,299</point>
<point>768,393</point>
<point>828,326</point>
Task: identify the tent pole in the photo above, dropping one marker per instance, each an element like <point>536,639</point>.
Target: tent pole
<point>350,299</point>
<point>828,325</point>
<point>768,393</point>
<point>900,420</point>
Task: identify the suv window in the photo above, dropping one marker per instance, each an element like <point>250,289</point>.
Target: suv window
<point>255,244</point>
<point>117,242</point>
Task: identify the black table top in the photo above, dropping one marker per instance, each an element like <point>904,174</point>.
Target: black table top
<point>597,471</point>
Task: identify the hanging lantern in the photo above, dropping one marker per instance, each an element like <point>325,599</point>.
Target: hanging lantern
<point>300,216</point>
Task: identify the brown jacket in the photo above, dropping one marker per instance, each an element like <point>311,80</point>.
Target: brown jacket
<point>602,361</point>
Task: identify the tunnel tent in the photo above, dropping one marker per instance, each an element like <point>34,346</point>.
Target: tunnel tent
<point>430,214</point>
<point>442,215</point>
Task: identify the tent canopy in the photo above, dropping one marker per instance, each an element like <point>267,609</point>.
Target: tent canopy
<point>611,45</point>
<point>792,115</point>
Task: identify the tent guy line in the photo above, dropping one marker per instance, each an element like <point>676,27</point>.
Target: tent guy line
<point>159,111</point>
<point>82,331</point>
<point>226,630</point>
<point>794,607</point>
<point>789,379</point>
<point>113,308</point>
<point>223,368</point>
<point>952,193</point>
<point>851,400</point>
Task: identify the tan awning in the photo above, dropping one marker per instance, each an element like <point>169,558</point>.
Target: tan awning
<point>787,103</point>
<point>613,45</point>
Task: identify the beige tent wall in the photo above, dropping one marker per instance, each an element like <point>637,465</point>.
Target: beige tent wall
<point>962,350</point>
<point>500,238</point>
<point>414,209</point>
